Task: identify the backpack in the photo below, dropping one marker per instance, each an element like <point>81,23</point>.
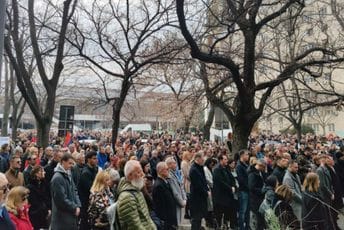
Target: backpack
<point>271,220</point>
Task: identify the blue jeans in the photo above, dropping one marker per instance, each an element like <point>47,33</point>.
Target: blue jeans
<point>244,211</point>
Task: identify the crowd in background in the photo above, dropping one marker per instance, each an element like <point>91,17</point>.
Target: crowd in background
<point>158,181</point>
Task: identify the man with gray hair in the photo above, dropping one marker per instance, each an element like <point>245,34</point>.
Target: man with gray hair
<point>49,168</point>
<point>163,198</point>
<point>176,186</point>
<point>132,209</point>
<point>48,155</point>
<point>77,168</point>
<point>18,151</point>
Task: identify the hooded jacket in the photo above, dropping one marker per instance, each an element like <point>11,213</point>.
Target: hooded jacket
<point>65,200</point>
<point>132,209</point>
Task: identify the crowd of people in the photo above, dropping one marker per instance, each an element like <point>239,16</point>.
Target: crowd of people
<point>162,180</point>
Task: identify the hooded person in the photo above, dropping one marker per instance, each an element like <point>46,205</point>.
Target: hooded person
<point>65,200</point>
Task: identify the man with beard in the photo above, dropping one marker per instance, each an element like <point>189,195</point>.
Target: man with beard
<point>131,205</point>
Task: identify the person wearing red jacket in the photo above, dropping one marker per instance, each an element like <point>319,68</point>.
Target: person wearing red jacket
<point>18,208</point>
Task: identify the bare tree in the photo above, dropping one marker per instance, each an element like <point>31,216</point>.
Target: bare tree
<point>46,48</point>
<point>7,103</point>
<point>17,102</point>
<point>120,40</point>
<point>239,41</point>
<point>181,79</point>
<point>294,98</point>
<point>323,116</point>
<point>337,8</point>
<point>2,29</point>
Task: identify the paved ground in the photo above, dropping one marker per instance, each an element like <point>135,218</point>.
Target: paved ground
<point>187,226</point>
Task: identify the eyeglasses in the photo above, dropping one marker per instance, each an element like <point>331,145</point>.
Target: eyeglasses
<point>5,188</point>
<point>25,197</point>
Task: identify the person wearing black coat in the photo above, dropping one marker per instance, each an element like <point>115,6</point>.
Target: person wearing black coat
<point>339,168</point>
<point>286,217</point>
<point>163,199</point>
<point>153,163</point>
<point>337,203</point>
<point>49,168</point>
<point>314,214</point>
<point>280,169</point>
<point>223,188</point>
<point>40,205</point>
<point>244,200</point>
<point>256,178</point>
<point>87,177</point>
<point>199,192</point>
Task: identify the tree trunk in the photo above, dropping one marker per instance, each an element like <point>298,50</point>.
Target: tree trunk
<point>16,117</point>
<point>2,29</point>
<point>7,105</point>
<point>207,125</point>
<point>187,124</point>
<point>14,125</point>
<point>241,132</point>
<point>324,129</point>
<point>116,113</point>
<point>298,129</point>
<point>43,130</point>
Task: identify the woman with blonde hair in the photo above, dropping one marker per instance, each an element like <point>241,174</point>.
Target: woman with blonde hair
<point>101,197</point>
<point>185,167</point>
<point>18,208</point>
<point>314,215</point>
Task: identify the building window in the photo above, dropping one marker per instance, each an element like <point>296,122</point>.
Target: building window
<point>307,18</point>
<point>310,32</point>
<point>327,76</point>
<point>279,103</point>
<point>280,122</point>
<point>307,95</point>
<point>323,11</point>
<point>315,127</point>
<point>308,46</point>
<point>309,79</point>
<point>331,127</point>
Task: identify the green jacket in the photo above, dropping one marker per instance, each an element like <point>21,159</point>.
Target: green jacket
<point>132,209</point>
